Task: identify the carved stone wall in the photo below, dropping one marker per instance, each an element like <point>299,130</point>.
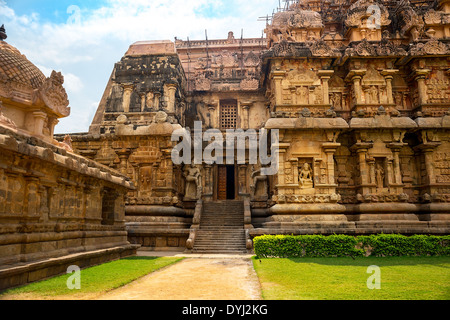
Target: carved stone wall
<point>362,108</point>
<point>53,204</point>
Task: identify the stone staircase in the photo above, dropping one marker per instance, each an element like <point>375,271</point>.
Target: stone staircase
<point>221,228</point>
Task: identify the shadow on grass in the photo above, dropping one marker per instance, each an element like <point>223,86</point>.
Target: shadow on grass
<point>140,258</point>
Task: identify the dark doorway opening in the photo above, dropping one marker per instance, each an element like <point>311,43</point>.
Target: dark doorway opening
<point>231,185</point>
<point>226,183</point>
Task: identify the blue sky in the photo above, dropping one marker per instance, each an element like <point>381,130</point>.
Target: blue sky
<point>50,10</point>
<point>84,39</point>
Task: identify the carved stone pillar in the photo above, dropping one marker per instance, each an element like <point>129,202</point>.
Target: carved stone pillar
<point>330,150</point>
<point>389,76</point>
<point>317,171</point>
<point>277,77</point>
<point>361,149</point>
<point>157,101</point>
<point>171,91</point>
<point>396,148</point>
<point>52,122</point>
<point>39,119</point>
<point>123,156</point>
<point>420,76</point>
<point>427,150</point>
<point>209,182</point>
<point>243,178</point>
<point>294,166</point>
<point>212,116</point>
<point>282,157</point>
<point>325,76</point>
<point>371,163</point>
<point>246,115</point>
<point>390,174</point>
<point>127,91</point>
<point>355,77</point>
<point>143,101</point>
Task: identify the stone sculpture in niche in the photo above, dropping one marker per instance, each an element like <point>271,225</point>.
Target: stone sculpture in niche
<point>379,175</point>
<point>306,176</point>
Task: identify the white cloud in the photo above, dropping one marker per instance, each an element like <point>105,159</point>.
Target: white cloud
<point>72,83</point>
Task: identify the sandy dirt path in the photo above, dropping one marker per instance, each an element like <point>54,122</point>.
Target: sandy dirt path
<point>195,279</point>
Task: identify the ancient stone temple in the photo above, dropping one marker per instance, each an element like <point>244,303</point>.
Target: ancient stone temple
<point>358,92</point>
<point>57,208</point>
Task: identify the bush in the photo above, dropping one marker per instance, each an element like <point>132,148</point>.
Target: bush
<point>306,246</point>
<point>398,245</point>
<point>312,246</point>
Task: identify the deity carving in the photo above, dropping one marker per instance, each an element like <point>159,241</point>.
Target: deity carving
<point>259,186</point>
<point>373,95</point>
<point>302,95</point>
<point>4,120</point>
<point>305,176</point>
<point>192,177</point>
<point>336,98</point>
<point>379,175</point>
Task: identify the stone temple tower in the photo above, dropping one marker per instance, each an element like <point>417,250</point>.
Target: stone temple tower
<point>358,92</point>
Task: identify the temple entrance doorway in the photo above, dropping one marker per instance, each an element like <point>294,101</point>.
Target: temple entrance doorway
<point>226,183</point>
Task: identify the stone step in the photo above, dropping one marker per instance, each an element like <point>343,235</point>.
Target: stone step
<point>205,242</point>
<point>221,228</point>
<point>212,232</point>
<point>222,225</point>
<point>219,247</point>
<point>219,236</point>
<point>221,222</point>
<point>237,252</point>
<point>230,239</point>
<point>230,219</point>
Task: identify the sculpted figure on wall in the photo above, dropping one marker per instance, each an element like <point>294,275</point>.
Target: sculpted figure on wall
<point>192,176</point>
<point>4,120</point>
<point>259,186</point>
<point>306,176</point>
<point>379,171</point>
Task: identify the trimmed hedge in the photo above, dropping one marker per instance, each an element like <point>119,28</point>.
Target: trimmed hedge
<point>382,245</point>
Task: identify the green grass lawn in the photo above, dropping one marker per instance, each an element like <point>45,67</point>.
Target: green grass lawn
<point>94,281</point>
<point>402,278</point>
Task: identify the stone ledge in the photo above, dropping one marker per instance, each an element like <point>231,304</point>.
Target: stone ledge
<point>18,142</point>
<point>146,232</point>
<point>367,228</point>
<point>13,276</point>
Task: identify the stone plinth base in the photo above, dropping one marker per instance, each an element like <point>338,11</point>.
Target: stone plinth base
<point>353,228</point>
<point>23,273</point>
<point>158,239</point>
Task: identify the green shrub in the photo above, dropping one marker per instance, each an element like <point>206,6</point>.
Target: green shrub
<point>398,245</point>
<point>306,246</point>
<point>285,246</point>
